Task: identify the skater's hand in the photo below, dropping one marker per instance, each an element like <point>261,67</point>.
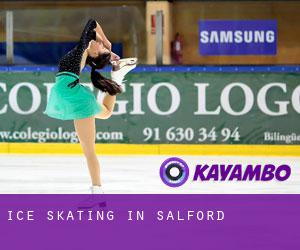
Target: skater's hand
<point>115,61</point>
<point>114,57</point>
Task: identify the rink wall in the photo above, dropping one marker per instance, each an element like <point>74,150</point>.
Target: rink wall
<point>152,149</point>
<point>237,110</point>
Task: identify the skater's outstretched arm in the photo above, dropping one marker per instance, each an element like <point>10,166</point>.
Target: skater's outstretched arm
<point>102,36</point>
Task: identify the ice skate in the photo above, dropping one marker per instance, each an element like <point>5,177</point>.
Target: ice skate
<point>121,68</point>
<point>95,199</point>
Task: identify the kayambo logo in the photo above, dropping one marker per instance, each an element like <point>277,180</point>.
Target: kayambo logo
<point>174,172</point>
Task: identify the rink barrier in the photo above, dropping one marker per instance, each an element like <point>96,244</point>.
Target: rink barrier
<point>153,149</point>
<point>159,149</point>
<point>171,68</point>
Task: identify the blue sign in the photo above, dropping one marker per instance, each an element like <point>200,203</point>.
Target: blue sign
<point>235,37</point>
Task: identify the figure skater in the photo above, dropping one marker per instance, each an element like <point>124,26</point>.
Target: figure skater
<point>70,100</point>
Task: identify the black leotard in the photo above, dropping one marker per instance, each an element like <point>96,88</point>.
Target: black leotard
<point>71,61</point>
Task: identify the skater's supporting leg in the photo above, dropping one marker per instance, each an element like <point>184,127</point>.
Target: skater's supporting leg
<point>85,129</point>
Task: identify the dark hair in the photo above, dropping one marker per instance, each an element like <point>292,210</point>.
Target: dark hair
<point>100,82</point>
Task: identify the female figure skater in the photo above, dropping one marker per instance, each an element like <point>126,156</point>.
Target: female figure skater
<point>70,100</point>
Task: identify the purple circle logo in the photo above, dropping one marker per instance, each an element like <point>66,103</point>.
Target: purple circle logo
<point>174,172</point>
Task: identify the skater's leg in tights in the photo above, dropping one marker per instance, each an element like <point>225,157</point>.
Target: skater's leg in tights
<point>85,129</point>
<point>117,75</point>
<point>107,107</point>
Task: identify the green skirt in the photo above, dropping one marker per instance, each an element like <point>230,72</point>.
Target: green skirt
<point>69,101</point>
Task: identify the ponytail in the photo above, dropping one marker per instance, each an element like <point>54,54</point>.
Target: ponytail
<point>104,84</point>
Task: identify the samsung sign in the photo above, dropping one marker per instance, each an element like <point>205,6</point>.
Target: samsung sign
<point>234,37</point>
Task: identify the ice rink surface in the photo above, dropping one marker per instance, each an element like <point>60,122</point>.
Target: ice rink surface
<point>68,174</point>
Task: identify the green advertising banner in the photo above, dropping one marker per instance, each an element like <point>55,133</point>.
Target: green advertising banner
<point>164,107</point>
